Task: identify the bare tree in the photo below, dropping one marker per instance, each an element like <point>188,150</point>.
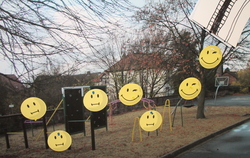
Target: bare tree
<point>136,59</point>
<point>34,33</point>
<point>173,16</point>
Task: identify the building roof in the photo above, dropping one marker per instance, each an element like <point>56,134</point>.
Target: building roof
<point>11,81</point>
<point>231,73</point>
<point>139,61</point>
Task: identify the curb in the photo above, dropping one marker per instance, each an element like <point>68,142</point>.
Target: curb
<point>197,142</point>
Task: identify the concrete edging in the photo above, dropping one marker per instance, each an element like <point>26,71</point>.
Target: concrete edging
<point>197,142</point>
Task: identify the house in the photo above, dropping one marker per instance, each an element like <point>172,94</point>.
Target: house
<point>150,71</point>
<point>49,87</point>
<point>232,75</point>
<point>11,82</point>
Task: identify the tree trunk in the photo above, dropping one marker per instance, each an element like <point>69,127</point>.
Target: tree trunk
<point>201,99</point>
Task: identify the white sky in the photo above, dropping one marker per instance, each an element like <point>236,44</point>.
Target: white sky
<point>8,69</point>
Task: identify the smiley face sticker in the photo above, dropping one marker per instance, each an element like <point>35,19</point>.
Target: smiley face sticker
<point>130,94</point>
<point>59,140</point>
<point>33,108</point>
<point>150,120</point>
<point>95,100</point>
<point>210,57</point>
<point>190,88</point>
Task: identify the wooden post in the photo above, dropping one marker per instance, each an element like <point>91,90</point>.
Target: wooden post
<point>45,132</point>
<point>92,133</point>
<point>25,134</point>
<point>7,139</point>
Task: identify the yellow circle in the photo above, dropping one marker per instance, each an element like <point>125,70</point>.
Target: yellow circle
<point>150,120</point>
<point>210,57</point>
<point>130,94</point>
<point>95,100</point>
<point>190,88</point>
<point>33,108</point>
<point>59,140</point>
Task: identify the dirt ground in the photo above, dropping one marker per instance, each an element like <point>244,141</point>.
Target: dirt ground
<point>117,141</point>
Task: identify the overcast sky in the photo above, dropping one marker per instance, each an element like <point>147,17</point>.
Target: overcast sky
<point>7,68</point>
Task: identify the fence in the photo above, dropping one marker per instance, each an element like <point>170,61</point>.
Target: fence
<point>13,122</point>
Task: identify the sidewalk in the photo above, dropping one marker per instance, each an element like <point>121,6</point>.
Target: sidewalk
<point>230,142</point>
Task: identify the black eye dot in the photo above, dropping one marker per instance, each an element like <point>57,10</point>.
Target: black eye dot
<point>187,84</point>
<point>34,103</point>
<point>91,96</point>
<point>153,116</point>
<point>61,136</point>
<point>214,52</point>
<point>147,117</point>
<point>97,95</point>
<point>194,84</point>
<point>55,137</point>
<point>207,52</point>
<point>28,106</point>
<point>127,90</point>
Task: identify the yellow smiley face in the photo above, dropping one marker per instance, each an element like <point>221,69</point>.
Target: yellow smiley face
<point>150,120</point>
<point>95,100</point>
<point>59,140</point>
<point>33,108</point>
<point>130,94</point>
<point>210,57</point>
<point>190,88</point>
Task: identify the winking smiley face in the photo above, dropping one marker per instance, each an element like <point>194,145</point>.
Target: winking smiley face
<point>190,88</point>
<point>210,57</point>
<point>130,94</point>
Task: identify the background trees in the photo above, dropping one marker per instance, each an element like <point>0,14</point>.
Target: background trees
<point>36,34</point>
<point>172,17</point>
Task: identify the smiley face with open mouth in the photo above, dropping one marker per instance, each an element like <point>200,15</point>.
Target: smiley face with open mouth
<point>95,100</point>
<point>33,108</point>
<point>210,57</point>
<point>59,140</point>
<point>150,120</point>
<point>190,88</point>
<point>130,94</point>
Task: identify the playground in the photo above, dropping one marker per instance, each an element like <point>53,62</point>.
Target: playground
<point>117,140</point>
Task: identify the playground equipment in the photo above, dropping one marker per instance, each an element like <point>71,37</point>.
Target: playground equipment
<point>181,103</point>
<point>167,104</point>
<point>137,119</point>
<point>50,119</point>
<point>76,114</point>
<point>25,134</point>
<point>113,106</point>
<point>220,81</point>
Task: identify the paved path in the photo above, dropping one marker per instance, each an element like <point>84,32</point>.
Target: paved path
<point>232,144</point>
<point>236,100</point>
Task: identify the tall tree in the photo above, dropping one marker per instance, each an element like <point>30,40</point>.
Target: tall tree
<point>173,16</point>
<point>34,33</point>
<point>136,59</point>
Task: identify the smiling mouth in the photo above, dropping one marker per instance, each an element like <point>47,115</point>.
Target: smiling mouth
<point>128,99</point>
<point>96,104</point>
<point>189,94</point>
<point>59,144</point>
<point>34,112</point>
<point>209,63</point>
<point>152,124</point>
